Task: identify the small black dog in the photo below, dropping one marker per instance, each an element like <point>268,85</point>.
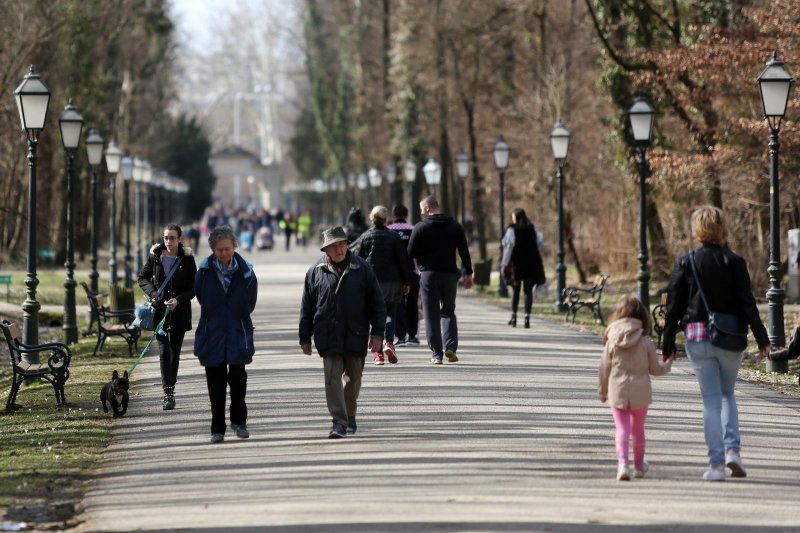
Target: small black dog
<point>115,392</point>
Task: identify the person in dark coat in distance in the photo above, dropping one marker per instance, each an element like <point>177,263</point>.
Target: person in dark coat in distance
<point>356,225</point>
<point>343,311</point>
<point>433,244</point>
<point>386,254</point>
<point>521,263</point>
<point>177,295</point>
<point>726,285</point>
<point>226,288</point>
<point>407,324</point>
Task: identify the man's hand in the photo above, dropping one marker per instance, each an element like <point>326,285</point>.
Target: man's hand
<point>375,344</point>
<point>406,289</point>
<point>468,281</point>
<point>172,303</point>
<point>306,347</point>
<point>763,352</point>
<point>603,398</point>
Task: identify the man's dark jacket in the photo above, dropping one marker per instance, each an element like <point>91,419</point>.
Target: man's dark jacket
<point>341,311</point>
<point>180,286</point>
<point>225,330</point>
<point>434,243</point>
<point>384,251</point>
<point>726,284</point>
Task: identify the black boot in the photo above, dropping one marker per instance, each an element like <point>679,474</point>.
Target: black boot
<point>513,321</point>
<point>527,321</point>
<point>169,398</point>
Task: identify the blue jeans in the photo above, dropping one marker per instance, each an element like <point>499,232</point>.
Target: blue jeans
<point>716,371</point>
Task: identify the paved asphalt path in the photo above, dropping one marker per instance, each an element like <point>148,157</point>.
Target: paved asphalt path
<point>511,438</point>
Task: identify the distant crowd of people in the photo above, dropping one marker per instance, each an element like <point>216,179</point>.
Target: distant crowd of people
<point>257,229</point>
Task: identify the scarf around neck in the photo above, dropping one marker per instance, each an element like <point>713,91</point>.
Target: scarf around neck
<point>226,273</point>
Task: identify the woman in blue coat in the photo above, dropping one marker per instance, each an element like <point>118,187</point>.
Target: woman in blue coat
<point>226,287</point>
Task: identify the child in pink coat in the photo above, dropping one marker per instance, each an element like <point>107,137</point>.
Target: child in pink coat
<point>629,358</point>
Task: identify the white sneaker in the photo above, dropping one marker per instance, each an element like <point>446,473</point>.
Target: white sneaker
<point>734,462</point>
<point>714,473</point>
<point>640,472</point>
<point>623,473</point>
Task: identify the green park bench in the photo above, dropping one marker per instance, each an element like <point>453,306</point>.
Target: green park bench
<point>5,279</point>
<point>47,256</point>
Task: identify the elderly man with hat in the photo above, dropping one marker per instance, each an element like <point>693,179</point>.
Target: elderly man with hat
<point>343,310</point>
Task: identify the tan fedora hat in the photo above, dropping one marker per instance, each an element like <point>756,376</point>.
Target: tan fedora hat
<point>332,236</point>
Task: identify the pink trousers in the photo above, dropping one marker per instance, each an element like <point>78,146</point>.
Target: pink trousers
<point>630,423</point>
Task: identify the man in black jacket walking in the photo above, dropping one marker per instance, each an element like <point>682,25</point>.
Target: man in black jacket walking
<point>343,311</point>
<point>433,244</point>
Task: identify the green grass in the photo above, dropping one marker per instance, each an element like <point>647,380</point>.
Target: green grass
<point>50,290</point>
<point>48,453</point>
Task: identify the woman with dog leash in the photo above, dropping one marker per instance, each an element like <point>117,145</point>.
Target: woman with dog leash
<point>168,279</point>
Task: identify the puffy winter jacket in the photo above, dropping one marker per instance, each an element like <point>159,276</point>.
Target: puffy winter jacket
<point>180,286</point>
<point>384,251</point>
<point>225,330</point>
<point>341,311</point>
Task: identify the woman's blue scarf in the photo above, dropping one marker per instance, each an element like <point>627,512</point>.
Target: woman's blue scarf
<point>227,272</point>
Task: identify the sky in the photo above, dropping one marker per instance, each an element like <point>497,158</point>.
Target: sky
<point>195,18</point>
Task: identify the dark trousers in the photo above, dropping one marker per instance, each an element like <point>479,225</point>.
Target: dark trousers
<point>391,320</point>
<point>169,353</point>
<point>407,322</point>
<point>218,378</point>
<point>438,290</point>
<point>527,285</point>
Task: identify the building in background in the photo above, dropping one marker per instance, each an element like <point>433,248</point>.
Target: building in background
<point>243,182</point>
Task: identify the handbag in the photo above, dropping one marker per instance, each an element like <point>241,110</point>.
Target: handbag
<point>725,330</point>
<point>145,313</point>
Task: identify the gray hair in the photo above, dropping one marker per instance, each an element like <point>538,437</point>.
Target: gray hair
<point>378,215</point>
<point>221,233</point>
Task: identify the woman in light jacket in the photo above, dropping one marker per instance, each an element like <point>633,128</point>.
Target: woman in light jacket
<point>726,284</point>
<point>226,288</point>
<point>177,295</point>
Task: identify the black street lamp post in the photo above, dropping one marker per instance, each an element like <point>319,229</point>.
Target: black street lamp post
<point>351,185</point>
<point>137,175</point>
<point>559,140</point>
<point>32,98</point>
<point>70,124</point>
<point>500,152</point>
<point>126,170</point>
<point>462,168</point>
<point>147,188</point>
<point>774,84</point>
<point>641,116</point>
<point>391,179</point>
<point>363,184</point>
<point>94,153</point>
<point>375,181</point>
<point>433,174</point>
<point>112,165</point>
<point>410,172</point>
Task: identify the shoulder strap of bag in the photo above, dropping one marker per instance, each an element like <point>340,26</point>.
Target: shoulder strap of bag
<point>169,277</point>
<point>699,286</point>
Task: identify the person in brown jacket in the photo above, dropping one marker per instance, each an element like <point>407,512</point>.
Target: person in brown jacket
<point>629,358</point>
